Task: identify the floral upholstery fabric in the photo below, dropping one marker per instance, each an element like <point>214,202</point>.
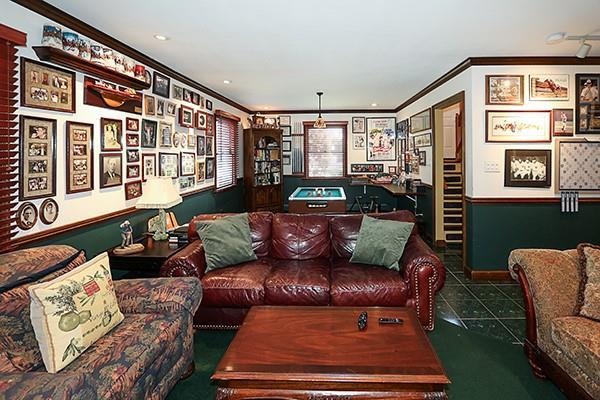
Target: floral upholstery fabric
<point>554,281</point>
<point>589,288</point>
<point>579,339</point>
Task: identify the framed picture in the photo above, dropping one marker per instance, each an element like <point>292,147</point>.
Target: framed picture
<point>422,158</point>
<point>358,124</point>
<point>209,146</point>
<point>422,140</point>
<point>287,145</point>
<point>402,129</point>
<point>200,146</point>
<point>133,171</point>
<point>210,168</point>
<point>358,142</point>
<point>209,105</point>
<point>517,126</point>
<point>27,216</point>
<point>132,140</point>
<point>186,116</point>
<point>133,190</point>
<point>504,89</point>
<point>177,92</point>
<point>186,182</point>
<point>111,170</point>
<point>562,122</point>
<point>171,109</point>
<point>527,168</point>
<point>421,121</point>
<point>133,156</point>
<point>80,157</point>
<point>161,85</point>
<point>200,171</point>
<point>287,160</point>
<point>165,134</point>
<point>210,125</point>
<point>37,161</point>
<point>111,134</point>
<point>554,87</point>
<point>187,95</point>
<point>188,164</point>
<point>149,105</point>
<point>148,139</point>
<point>47,87</point>
<point>132,124</point>
<point>160,108</point>
<point>587,104</point>
<point>392,170</point>
<point>286,131</point>
<point>381,139</point>
<point>48,211</point>
<point>577,165</point>
<point>363,168</point>
<point>285,120</point>
<point>195,98</point>
<point>148,165</point>
<point>200,120</point>
<point>168,164</point>
<point>202,102</point>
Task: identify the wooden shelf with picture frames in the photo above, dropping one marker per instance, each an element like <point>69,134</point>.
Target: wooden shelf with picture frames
<point>61,57</point>
<point>263,171</point>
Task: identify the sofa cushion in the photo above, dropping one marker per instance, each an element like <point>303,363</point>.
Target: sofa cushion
<point>119,359</point>
<point>260,229</point>
<point>345,228</point>
<point>300,237</point>
<point>363,285</point>
<point>240,285</point>
<point>579,339</point>
<point>298,282</point>
<point>588,299</point>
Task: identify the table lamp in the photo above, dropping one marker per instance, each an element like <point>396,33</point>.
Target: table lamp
<point>159,193</point>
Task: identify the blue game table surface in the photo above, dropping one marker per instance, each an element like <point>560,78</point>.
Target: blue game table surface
<point>318,193</point>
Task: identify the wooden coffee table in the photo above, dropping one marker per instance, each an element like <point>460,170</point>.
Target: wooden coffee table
<point>319,353</point>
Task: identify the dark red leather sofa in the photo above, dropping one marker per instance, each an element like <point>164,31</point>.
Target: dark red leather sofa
<point>303,259</point>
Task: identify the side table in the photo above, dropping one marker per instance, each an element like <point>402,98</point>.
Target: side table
<point>147,263</point>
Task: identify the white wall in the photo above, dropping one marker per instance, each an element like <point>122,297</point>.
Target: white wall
<point>461,82</point>
<point>77,207</point>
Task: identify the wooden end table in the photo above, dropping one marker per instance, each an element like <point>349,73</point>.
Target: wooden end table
<point>148,262</point>
<point>319,353</point>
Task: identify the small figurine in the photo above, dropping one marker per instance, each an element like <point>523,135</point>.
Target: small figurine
<point>126,234</point>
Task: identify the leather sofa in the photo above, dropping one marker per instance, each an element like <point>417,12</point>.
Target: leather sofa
<point>303,260</point>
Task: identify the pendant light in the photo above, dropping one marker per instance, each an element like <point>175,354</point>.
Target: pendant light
<point>320,122</point>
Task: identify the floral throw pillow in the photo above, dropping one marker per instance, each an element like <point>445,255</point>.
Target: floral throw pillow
<point>71,312</point>
<point>589,289</point>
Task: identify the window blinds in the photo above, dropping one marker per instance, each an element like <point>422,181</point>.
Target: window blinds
<point>325,152</point>
<point>226,149</point>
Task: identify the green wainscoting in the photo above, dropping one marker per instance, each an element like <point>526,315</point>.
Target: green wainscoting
<point>494,229</point>
<point>425,207</point>
<point>97,238</point>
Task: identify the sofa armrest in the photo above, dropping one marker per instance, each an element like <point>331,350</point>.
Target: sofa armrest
<point>550,283</point>
<point>189,261</point>
<point>424,273</point>
<point>158,295</point>
<point>44,385</point>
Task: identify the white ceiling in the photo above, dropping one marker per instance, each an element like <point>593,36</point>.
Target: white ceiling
<point>278,53</point>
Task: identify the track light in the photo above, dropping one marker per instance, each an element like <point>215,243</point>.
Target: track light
<point>555,38</point>
<point>584,50</point>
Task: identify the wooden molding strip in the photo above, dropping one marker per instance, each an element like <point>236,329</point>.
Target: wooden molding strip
<point>487,275</point>
<point>525,200</point>
<point>61,17</point>
<point>331,111</point>
<point>17,38</point>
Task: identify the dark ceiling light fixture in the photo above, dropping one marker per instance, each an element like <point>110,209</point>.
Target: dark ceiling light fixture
<point>320,122</point>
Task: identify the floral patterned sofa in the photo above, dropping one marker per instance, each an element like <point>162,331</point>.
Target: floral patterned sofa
<point>141,358</point>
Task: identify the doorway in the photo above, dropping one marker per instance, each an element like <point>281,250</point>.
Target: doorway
<point>449,172</point>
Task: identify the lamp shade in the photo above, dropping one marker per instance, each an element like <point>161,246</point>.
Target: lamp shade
<point>159,192</point>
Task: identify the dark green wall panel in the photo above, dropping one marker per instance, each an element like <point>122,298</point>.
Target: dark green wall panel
<point>425,207</point>
<point>104,235</point>
<point>493,230</point>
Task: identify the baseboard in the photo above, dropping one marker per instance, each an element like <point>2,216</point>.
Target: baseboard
<point>487,275</point>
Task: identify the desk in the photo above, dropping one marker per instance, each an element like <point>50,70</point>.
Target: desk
<point>394,190</point>
<point>148,261</point>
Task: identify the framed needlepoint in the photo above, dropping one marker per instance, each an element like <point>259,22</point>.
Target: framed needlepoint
<point>47,87</point>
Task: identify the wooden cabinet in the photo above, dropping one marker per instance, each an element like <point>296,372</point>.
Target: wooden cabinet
<point>263,172</point>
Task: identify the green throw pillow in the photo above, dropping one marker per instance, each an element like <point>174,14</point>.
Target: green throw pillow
<point>226,241</point>
<point>381,242</point>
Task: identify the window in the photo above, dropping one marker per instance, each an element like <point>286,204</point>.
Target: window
<point>325,151</point>
<point>226,150</point>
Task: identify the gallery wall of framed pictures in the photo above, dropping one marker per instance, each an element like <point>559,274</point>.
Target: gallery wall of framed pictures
<point>86,153</point>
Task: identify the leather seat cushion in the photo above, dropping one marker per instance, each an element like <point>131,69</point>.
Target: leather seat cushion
<point>297,282</point>
<point>300,237</point>
<point>239,285</point>
<point>365,285</point>
<point>579,339</point>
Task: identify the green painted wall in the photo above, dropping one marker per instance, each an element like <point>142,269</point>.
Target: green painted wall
<point>104,235</point>
<point>493,230</point>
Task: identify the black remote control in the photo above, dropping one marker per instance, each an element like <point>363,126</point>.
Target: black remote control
<point>387,321</point>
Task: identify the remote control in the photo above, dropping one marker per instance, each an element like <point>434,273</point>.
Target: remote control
<point>385,321</point>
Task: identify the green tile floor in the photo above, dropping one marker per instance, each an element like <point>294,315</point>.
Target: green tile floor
<point>478,337</point>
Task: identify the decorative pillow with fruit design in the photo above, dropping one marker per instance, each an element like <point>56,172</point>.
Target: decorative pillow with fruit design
<point>71,312</point>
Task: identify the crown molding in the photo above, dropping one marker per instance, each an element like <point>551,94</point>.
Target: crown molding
<point>330,111</point>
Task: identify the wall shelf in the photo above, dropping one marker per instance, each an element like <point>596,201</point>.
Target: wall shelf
<point>60,57</point>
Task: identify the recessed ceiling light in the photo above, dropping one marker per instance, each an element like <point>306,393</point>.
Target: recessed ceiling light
<point>161,37</point>
<point>373,104</point>
<point>267,108</point>
<point>556,37</point>
<point>227,81</point>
